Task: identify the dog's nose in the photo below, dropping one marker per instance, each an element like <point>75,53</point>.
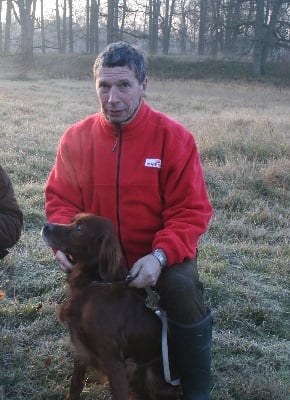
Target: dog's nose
<point>46,231</point>
<point>47,227</point>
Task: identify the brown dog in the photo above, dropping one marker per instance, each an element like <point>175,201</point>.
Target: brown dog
<point>111,328</point>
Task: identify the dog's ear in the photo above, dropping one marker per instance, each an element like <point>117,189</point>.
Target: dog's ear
<point>109,256</point>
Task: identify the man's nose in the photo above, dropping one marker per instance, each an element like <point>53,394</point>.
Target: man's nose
<point>113,95</point>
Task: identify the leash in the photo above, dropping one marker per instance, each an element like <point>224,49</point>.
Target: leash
<point>162,315</point>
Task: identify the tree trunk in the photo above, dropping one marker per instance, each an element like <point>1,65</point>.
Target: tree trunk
<point>88,26</point>
<point>1,38</point>
<point>269,36</point>
<point>183,27</point>
<point>43,47</point>
<point>110,22</point>
<point>70,26</point>
<point>8,27</point>
<point>94,27</point>
<point>233,16</point>
<point>124,13</point>
<point>215,28</point>
<point>64,28</point>
<point>167,25</point>
<point>116,30</point>
<point>58,30</point>
<point>154,12</point>
<point>96,22</point>
<point>259,38</point>
<point>202,27</point>
<point>26,19</point>
<point>165,29</point>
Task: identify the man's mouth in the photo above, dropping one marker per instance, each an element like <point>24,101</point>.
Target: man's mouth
<point>112,112</point>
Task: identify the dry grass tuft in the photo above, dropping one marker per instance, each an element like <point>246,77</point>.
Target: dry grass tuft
<point>277,174</point>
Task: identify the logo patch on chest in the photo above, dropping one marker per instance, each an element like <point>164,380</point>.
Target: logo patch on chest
<point>153,163</point>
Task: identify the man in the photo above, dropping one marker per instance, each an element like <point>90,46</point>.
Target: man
<point>11,217</point>
<point>141,169</point>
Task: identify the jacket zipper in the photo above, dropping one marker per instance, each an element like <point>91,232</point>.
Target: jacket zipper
<point>119,142</point>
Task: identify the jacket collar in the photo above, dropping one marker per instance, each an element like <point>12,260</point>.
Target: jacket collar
<point>132,122</point>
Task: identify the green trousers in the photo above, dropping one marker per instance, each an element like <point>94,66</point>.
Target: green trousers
<point>181,293</point>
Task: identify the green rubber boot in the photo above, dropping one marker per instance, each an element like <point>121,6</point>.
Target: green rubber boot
<point>192,350</point>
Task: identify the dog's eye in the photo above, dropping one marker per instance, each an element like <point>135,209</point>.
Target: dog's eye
<point>78,228</point>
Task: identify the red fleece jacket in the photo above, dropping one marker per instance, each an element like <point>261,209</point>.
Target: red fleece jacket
<point>145,176</point>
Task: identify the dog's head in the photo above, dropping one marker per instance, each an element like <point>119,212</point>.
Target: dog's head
<point>89,240</point>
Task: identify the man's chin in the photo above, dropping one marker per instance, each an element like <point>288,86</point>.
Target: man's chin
<point>116,119</point>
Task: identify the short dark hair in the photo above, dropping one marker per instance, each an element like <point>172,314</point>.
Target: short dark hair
<point>122,54</point>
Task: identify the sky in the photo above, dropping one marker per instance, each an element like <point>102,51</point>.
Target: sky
<point>49,7</point>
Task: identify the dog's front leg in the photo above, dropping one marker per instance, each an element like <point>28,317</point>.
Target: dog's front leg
<point>118,381</point>
<point>77,379</point>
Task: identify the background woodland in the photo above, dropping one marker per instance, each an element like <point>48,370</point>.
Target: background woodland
<point>256,30</point>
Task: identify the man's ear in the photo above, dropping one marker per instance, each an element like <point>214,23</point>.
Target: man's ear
<point>144,86</point>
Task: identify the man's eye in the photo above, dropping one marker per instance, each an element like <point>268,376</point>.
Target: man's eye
<point>104,89</point>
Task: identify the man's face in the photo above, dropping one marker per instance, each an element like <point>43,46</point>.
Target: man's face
<point>119,92</point>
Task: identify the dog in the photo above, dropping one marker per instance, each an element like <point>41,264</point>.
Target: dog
<point>111,329</point>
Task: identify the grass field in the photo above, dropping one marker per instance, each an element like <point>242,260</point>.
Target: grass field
<point>243,133</point>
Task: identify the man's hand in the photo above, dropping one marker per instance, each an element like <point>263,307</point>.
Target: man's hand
<point>63,262</point>
<point>145,271</point>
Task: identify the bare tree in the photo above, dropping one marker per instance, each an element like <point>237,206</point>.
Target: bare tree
<point>123,18</point>
<point>264,33</point>
<point>70,26</point>
<point>232,20</point>
<point>193,18</point>
<point>154,13</point>
<point>92,37</point>
<point>42,30</point>
<point>259,35</point>
<point>217,27</point>
<point>255,28</point>
<point>269,34</point>
<point>96,14</point>
<point>1,35</point>
<point>88,25</point>
<point>202,26</point>
<point>64,28</point>
<point>112,21</point>
<point>166,24</point>
<point>183,26</point>
<point>116,30</point>
<point>7,26</point>
<point>26,18</point>
<point>58,30</point>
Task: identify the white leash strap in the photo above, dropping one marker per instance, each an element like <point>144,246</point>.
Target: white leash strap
<point>162,315</point>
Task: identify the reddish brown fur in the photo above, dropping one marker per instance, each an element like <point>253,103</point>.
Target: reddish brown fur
<point>110,327</point>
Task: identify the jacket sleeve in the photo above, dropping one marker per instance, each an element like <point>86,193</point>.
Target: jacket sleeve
<point>11,217</point>
<point>187,209</point>
<point>63,197</point>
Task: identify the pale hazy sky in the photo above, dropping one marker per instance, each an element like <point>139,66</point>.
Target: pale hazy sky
<point>49,7</point>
